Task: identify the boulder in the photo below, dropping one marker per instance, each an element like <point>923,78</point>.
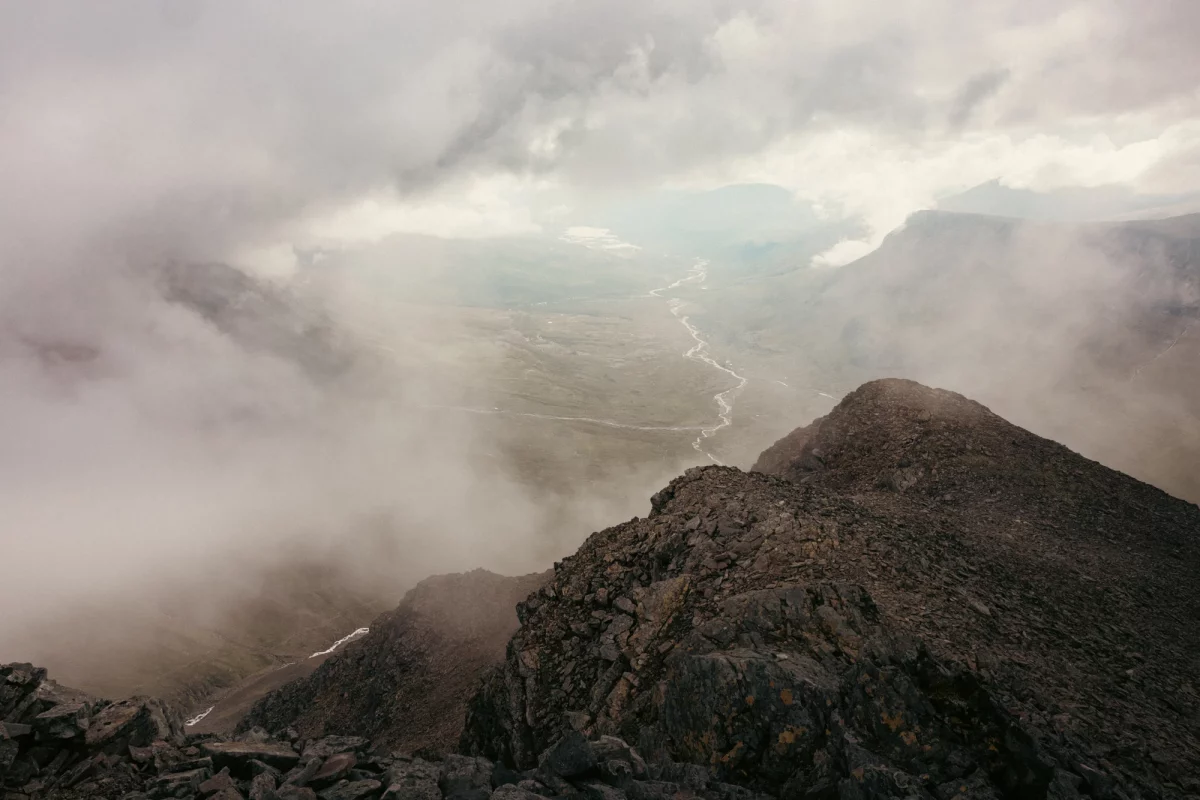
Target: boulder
<point>135,722</point>
<point>222,780</point>
<point>262,786</point>
<point>239,755</point>
<point>413,780</point>
<point>290,791</point>
<point>570,756</point>
<point>508,792</point>
<point>352,790</point>
<point>333,745</point>
<point>334,769</point>
<point>62,722</point>
<point>178,784</point>
<point>465,776</point>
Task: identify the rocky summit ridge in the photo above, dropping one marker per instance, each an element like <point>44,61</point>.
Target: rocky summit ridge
<point>908,598</point>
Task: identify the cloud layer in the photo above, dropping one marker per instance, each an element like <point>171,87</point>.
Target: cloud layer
<point>192,127</point>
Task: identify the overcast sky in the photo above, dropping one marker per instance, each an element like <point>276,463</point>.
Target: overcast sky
<point>209,127</point>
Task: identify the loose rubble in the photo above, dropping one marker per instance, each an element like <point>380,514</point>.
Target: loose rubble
<point>146,757</point>
<point>926,597</point>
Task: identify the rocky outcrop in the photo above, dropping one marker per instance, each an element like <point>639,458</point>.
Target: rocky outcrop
<point>54,739</point>
<point>406,683</point>
<point>123,753</point>
<point>922,601</point>
<point>932,603</point>
<point>789,450</point>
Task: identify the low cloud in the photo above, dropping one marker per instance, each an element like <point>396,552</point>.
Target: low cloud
<point>149,435</point>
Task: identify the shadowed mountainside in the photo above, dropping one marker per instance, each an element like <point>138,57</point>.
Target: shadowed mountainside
<point>1020,617</point>
<point>405,684</point>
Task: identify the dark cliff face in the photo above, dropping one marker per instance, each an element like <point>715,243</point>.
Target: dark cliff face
<point>924,597</point>
<point>405,684</point>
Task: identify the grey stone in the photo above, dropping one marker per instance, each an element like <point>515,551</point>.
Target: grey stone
<point>333,745</point>
<point>355,790</point>
<point>238,755</point>
<point>259,768</point>
<point>600,791</point>
<point>8,754</point>
<point>302,775</point>
<point>570,756</point>
<point>262,786</point>
<point>67,721</point>
<point>14,730</point>
<point>135,722</point>
<point>610,748</point>
<point>216,783</point>
<point>510,792</point>
<point>228,793</point>
<point>293,792</point>
<point>333,769</point>
<point>176,784</point>
<point>460,774</point>
<point>413,780</point>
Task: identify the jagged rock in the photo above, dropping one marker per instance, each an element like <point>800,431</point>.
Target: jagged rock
<point>351,790</point>
<point>238,755</point>
<point>9,748</point>
<point>570,756</point>
<point>135,722</point>
<point>13,730</point>
<point>333,745</point>
<point>179,784</point>
<point>508,792</point>
<point>262,786</point>
<point>601,791</point>
<point>824,629</point>
<point>226,794</point>
<point>465,777</point>
<point>67,721</point>
<point>300,776</point>
<point>222,780</point>
<point>610,748</point>
<point>333,769</point>
<point>406,683</point>
<point>259,768</point>
<point>503,775</point>
<point>413,780</point>
<point>293,792</point>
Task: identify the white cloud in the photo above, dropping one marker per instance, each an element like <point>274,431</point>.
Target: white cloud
<point>597,239</point>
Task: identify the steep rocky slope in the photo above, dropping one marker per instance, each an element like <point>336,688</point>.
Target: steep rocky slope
<point>70,746</point>
<point>926,598</point>
<point>405,684</point>
<point>922,601</point>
